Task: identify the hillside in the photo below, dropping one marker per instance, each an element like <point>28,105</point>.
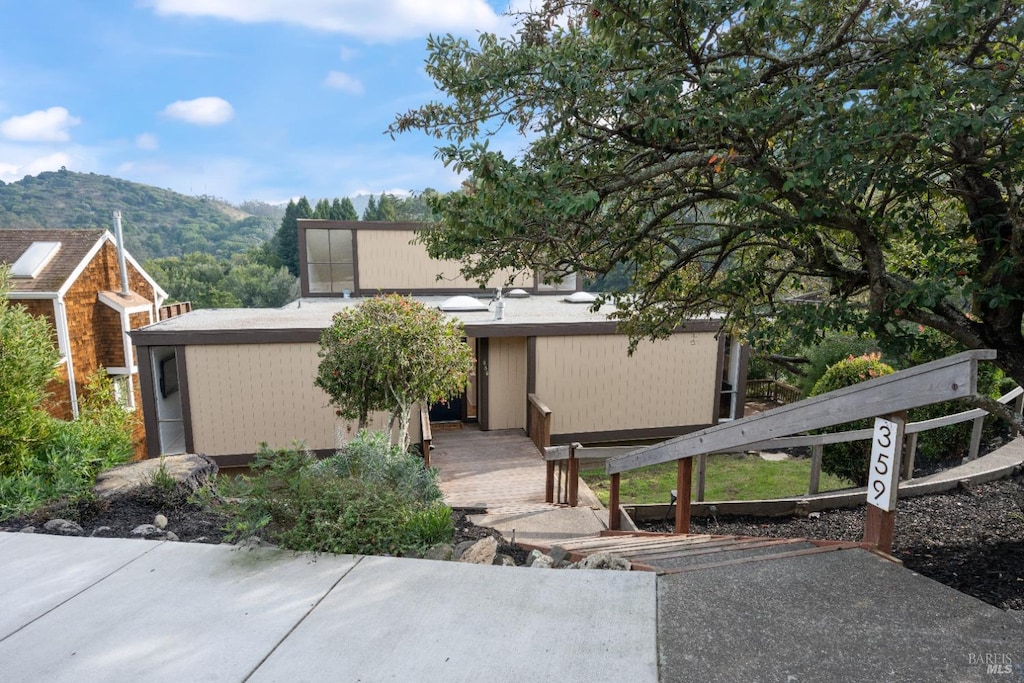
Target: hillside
<point>156,222</point>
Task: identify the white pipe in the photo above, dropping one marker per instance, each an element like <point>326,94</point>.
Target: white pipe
<point>120,252</point>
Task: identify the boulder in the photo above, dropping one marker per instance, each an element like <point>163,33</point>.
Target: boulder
<point>147,531</point>
<point>441,551</point>
<point>461,548</point>
<point>192,472</point>
<point>605,561</point>
<point>63,527</point>
<point>160,522</point>
<point>543,562</point>
<point>503,560</point>
<point>559,555</point>
<point>481,552</point>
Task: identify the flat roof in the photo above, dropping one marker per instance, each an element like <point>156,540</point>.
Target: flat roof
<point>305,318</point>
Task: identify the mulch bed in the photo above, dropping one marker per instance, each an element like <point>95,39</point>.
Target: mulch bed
<point>971,539</point>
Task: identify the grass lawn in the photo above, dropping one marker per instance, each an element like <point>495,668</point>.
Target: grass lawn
<point>729,477</point>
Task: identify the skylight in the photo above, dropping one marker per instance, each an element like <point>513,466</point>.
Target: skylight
<point>462,303</point>
<point>580,298</point>
<point>35,258</point>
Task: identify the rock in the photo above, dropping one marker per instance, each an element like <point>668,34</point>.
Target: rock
<point>63,527</point>
<point>28,530</point>
<point>503,560</point>
<point>532,557</point>
<point>481,552</point>
<point>160,522</point>
<point>146,531</point>
<point>254,542</point>
<point>461,548</point>
<point>190,471</point>
<point>543,562</point>
<point>558,555</point>
<point>102,531</point>
<point>814,515</point>
<point>201,539</point>
<point>605,561</point>
<point>441,551</point>
<point>171,536</point>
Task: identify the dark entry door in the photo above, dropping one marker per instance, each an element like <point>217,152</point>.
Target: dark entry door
<point>447,412</point>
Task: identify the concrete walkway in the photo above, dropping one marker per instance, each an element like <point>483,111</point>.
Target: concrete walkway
<point>91,609</point>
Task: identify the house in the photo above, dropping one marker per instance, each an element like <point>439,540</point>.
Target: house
<point>73,278</point>
<point>220,382</point>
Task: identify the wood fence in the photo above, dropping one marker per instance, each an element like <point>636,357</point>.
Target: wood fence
<point>772,390</point>
<point>538,426</point>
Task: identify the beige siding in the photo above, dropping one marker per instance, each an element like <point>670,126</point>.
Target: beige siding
<point>506,382</point>
<point>387,260</point>
<point>592,385</point>
<point>241,395</point>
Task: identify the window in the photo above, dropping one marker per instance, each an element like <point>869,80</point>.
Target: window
<point>123,390</point>
<point>329,261</point>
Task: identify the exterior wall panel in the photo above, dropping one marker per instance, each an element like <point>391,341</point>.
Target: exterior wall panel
<point>242,395</point>
<point>507,383</point>
<point>388,261</point>
<point>592,385</point>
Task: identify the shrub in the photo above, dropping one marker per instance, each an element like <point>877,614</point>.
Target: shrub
<point>849,460</point>
<point>66,463</point>
<point>833,348</point>
<point>370,498</point>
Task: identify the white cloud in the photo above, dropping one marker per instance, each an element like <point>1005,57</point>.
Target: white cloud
<point>339,80</point>
<point>49,125</point>
<point>10,172</point>
<point>364,19</point>
<point>147,141</point>
<point>202,111</point>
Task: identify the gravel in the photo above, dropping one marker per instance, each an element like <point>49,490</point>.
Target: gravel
<point>971,539</point>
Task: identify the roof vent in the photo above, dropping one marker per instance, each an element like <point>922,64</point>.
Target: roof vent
<point>517,294</point>
<point>580,298</point>
<point>462,303</point>
<point>35,258</point>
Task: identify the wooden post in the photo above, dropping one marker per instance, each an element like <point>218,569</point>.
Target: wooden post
<point>684,480</point>
<point>979,426</point>
<point>702,469</point>
<point>909,453</point>
<point>614,516</point>
<point>574,477</point>
<point>815,482</point>
<point>883,482</point>
<point>549,483</point>
<point>879,526</point>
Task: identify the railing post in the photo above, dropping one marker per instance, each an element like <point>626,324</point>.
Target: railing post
<point>574,476</point>
<point>684,480</point>
<point>702,469</point>
<point>883,490</point>
<point>909,452</point>
<point>976,431</point>
<point>549,483</point>
<point>614,514</point>
<point>815,482</point>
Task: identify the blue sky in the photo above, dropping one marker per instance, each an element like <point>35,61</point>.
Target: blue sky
<point>241,99</point>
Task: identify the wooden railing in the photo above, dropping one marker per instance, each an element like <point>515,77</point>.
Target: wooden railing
<point>538,426</point>
<point>772,390</point>
<point>567,465</point>
<point>941,380</point>
<point>174,310</point>
<point>425,434</point>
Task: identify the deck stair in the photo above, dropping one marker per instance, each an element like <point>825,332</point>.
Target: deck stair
<point>675,553</point>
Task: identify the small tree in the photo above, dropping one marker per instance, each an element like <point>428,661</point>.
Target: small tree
<point>849,460</point>
<point>389,353</point>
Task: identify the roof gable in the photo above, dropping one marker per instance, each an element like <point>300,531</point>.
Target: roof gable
<point>76,245</point>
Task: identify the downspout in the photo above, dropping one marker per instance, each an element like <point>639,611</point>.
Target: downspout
<point>64,340</point>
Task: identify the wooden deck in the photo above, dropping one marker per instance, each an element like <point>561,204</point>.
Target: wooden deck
<point>499,470</point>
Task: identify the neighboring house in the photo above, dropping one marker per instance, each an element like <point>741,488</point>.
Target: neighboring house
<point>220,382</point>
<point>73,279</point>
